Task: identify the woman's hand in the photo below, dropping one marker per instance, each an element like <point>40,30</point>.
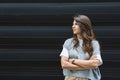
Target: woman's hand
<point>94,61</point>
<point>93,57</point>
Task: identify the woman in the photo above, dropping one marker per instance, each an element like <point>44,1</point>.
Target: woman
<point>80,56</point>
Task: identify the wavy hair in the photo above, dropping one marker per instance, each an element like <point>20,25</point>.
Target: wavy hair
<point>86,32</point>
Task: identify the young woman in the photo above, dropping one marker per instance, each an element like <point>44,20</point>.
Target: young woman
<point>80,56</point>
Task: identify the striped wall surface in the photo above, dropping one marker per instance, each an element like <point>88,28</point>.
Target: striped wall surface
<point>32,35</point>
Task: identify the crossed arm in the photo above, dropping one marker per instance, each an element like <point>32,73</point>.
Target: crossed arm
<point>78,64</point>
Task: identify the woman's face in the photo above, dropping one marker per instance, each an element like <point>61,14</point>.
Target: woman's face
<point>76,28</point>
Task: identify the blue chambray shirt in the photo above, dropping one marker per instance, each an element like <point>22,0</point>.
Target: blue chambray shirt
<point>68,51</point>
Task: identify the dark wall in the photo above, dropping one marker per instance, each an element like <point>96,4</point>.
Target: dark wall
<point>32,35</point>
<point>55,1</point>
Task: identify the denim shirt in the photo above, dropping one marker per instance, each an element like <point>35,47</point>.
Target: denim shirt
<point>68,51</point>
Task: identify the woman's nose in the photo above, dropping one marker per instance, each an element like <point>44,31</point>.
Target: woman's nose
<point>73,26</point>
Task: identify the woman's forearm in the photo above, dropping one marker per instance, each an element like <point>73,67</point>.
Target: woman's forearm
<point>85,64</point>
<point>70,66</point>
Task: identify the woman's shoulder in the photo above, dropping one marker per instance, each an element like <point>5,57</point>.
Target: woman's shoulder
<point>69,39</point>
<point>95,42</point>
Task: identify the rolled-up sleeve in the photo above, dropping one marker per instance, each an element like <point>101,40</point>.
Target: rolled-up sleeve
<point>96,51</point>
<point>64,52</point>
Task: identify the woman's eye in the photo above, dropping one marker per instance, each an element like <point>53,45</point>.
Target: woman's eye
<point>76,24</point>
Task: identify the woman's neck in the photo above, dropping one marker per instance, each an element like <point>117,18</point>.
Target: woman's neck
<point>79,37</point>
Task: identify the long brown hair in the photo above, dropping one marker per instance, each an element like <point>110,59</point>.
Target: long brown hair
<point>86,32</point>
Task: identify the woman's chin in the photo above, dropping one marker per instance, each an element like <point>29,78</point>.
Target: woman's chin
<point>74,32</point>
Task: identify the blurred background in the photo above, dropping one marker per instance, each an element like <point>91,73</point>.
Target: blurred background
<point>32,33</point>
